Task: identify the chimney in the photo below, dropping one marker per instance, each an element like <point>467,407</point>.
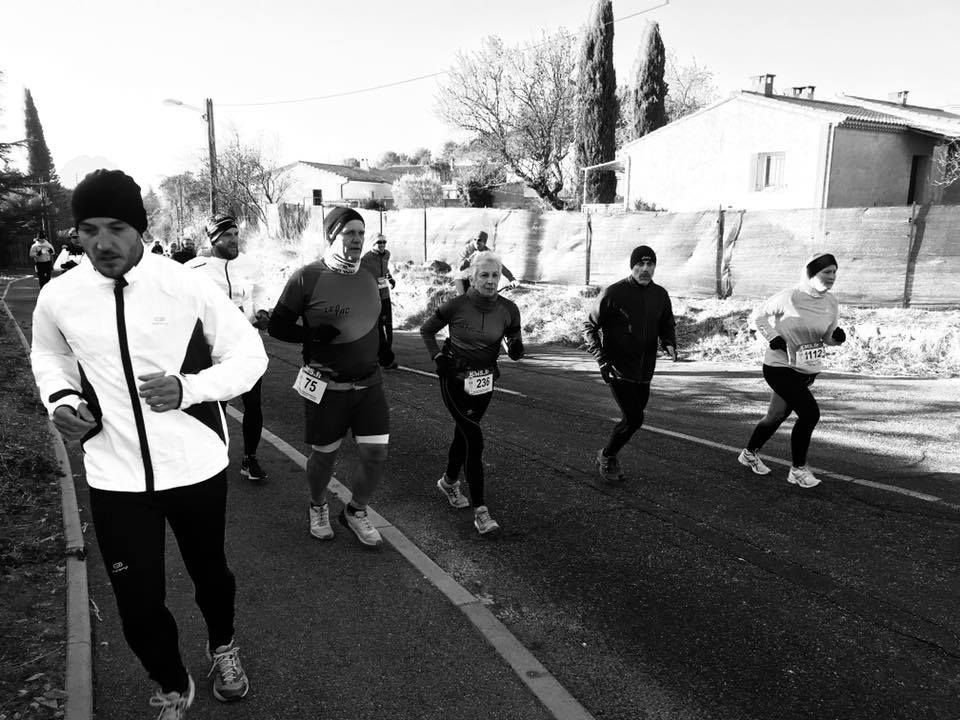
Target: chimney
<point>804,92</point>
<point>364,164</point>
<point>763,84</point>
<point>899,97</point>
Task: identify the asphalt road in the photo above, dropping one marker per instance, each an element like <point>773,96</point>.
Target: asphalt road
<point>693,590</point>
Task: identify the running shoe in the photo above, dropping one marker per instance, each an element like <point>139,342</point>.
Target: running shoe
<point>609,467</point>
<point>483,522</point>
<point>360,523</point>
<point>452,493</point>
<point>320,522</point>
<point>174,705</point>
<point>752,460</point>
<point>803,477</point>
<point>229,680</point>
<point>250,468</point>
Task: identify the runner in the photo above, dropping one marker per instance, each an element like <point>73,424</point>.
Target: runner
<point>239,277</point>
<point>377,263</point>
<point>340,381</point>
<point>131,354</point>
<point>477,245</point>
<point>41,252</point>
<point>479,321</point>
<point>71,254</point>
<point>797,323</point>
<point>187,251</point>
<point>621,332</point>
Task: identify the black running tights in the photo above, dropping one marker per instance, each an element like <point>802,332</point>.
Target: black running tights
<point>794,389</point>
<point>466,449</point>
<point>252,419</point>
<point>632,398</point>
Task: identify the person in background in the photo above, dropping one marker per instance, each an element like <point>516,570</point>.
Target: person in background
<point>467,254</point>
<point>188,251</point>
<point>71,254</point>
<point>377,262</point>
<point>41,252</point>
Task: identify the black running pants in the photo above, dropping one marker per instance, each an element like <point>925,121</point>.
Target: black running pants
<point>632,398</point>
<point>252,418</point>
<point>131,530</point>
<point>466,449</point>
<point>794,388</point>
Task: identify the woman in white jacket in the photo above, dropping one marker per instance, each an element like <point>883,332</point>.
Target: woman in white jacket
<point>796,323</point>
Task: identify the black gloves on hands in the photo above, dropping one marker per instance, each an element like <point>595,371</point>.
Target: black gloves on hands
<point>324,334</point>
<point>444,364</point>
<point>778,343</point>
<point>839,336</point>
<point>393,283</point>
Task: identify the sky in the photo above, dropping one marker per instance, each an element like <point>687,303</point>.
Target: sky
<point>99,70</point>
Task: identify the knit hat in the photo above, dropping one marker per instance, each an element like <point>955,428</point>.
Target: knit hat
<point>641,253</point>
<point>219,225</point>
<point>109,194</point>
<point>818,262</point>
<point>335,220</point>
<point>481,236</point>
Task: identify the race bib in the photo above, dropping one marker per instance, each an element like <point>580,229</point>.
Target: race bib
<point>383,283</point>
<point>478,382</point>
<point>310,384</point>
<point>809,355</point>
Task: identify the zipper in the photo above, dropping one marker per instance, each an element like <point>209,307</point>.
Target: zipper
<point>226,271</point>
<point>118,287</point>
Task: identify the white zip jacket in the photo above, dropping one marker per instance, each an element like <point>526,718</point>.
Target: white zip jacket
<point>91,341</point>
<point>240,280</point>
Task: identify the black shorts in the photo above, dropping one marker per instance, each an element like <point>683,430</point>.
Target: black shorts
<point>365,412</point>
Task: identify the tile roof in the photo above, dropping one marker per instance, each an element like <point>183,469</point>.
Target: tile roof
<point>353,173</point>
<point>933,112</point>
<point>856,113</point>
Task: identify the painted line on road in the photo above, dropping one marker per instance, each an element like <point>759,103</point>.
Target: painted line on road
<point>547,689</point>
<point>496,388</point>
<point>786,463</point>
<point>79,666</point>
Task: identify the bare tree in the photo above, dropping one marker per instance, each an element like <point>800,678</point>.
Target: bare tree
<point>691,87</point>
<point>417,191</point>
<point>947,158</point>
<point>519,104</point>
<point>249,178</point>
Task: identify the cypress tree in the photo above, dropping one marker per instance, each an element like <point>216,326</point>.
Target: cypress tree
<point>649,92</point>
<point>40,162</point>
<point>597,105</point>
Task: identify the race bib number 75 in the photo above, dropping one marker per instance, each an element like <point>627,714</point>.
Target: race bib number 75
<point>310,384</point>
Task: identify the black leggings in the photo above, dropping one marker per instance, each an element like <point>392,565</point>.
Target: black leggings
<point>44,269</point>
<point>131,529</point>
<point>632,398</point>
<point>794,388</point>
<point>466,449</point>
<point>252,419</point>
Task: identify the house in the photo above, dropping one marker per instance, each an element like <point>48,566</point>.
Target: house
<point>761,150</point>
<point>313,183</point>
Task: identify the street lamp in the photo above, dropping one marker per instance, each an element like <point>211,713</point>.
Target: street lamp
<point>211,143</point>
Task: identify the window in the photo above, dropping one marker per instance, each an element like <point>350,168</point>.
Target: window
<point>769,174</point>
<point>318,197</point>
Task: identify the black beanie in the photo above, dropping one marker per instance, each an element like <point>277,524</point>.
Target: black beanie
<point>109,194</point>
<point>818,262</point>
<point>219,225</point>
<point>335,220</point>
<point>644,252</point>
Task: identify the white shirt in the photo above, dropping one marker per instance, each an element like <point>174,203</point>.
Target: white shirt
<point>172,321</point>
<point>41,251</point>
<point>802,316</point>
<point>239,278</point>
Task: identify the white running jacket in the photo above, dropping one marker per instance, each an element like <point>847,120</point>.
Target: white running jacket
<point>239,278</point>
<point>91,342</point>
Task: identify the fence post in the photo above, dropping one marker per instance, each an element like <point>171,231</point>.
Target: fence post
<point>586,269</point>
<point>719,268</point>
<point>424,234</point>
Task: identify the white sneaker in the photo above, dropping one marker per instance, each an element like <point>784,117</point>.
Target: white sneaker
<point>803,477</point>
<point>753,461</point>
<point>230,681</point>
<point>483,522</point>
<point>452,493</point>
<point>174,705</point>
<point>320,526</point>
<point>362,527</point>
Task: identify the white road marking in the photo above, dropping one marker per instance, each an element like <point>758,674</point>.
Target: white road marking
<point>558,701</point>
<point>496,388</point>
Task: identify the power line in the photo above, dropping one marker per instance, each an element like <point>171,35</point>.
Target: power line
<point>373,88</point>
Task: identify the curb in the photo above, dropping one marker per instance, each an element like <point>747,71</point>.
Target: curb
<point>79,678</point>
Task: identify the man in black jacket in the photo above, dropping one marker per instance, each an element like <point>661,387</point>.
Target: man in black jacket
<point>377,263</point>
<point>622,332</point>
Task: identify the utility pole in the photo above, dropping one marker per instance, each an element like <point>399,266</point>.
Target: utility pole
<point>212,142</point>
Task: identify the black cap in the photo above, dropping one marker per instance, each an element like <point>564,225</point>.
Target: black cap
<point>641,253</point>
<point>110,194</point>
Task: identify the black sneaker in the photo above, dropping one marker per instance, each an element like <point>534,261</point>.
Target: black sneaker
<point>609,468</point>
<point>250,468</point>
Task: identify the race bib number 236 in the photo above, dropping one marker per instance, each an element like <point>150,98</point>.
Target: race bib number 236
<point>478,382</point>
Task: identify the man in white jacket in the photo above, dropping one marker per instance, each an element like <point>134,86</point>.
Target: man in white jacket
<point>132,354</point>
<point>239,277</point>
<point>41,252</point>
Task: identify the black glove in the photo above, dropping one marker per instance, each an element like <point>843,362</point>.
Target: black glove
<point>778,343</point>
<point>393,283</point>
<point>839,335</point>
<point>608,372</point>
<point>444,364</point>
<point>324,334</point>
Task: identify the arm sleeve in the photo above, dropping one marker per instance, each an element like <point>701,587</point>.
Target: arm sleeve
<point>434,324</point>
<point>54,366</point>
<point>827,336</point>
<point>513,335</point>
<point>283,321</point>
<point>763,315</point>
<point>505,271</point>
<point>235,346</point>
<point>33,251</point>
<point>668,325</point>
<point>259,288</point>
<point>591,329</point>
